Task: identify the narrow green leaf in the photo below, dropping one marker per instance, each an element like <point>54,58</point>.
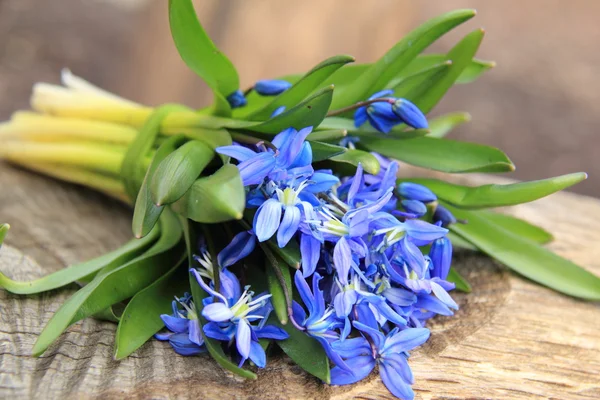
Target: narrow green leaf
<point>277,272</point>
<point>527,257</point>
<point>3,231</point>
<point>517,226</point>
<point>487,196</point>
<point>398,57</point>
<point>473,70</point>
<point>141,318</point>
<point>305,351</point>
<point>442,125</point>
<point>324,151</point>
<point>428,94</point>
<point>457,241</point>
<point>290,254</point>
<point>200,54</point>
<point>405,85</point>
<point>178,171</point>
<point>216,198</point>
<point>345,124</point>
<point>213,346</point>
<point>305,86</point>
<point>441,154</point>
<point>460,282</point>
<point>329,134</point>
<point>132,168</point>
<point>116,283</point>
<point>108,314</point>
<point>145,212</point>
<point>122,255</point>
<point>369,162</point>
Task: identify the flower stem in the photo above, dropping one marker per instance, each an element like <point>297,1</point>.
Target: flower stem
<point>365,103</point>
<point>247,139</point>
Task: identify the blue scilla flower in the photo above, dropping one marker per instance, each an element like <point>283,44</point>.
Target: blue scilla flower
<point>389,352</point>
<point>380,115</point>
<point>230,311</point>
<point>184,336</point>
<point>410,114</point>
<point>240,247</point>
<point>290,160</point>
<point>271,87</point>
<point>237,99</point>
<point>441,257</point>
<point>267,219</point>
<point>419,232</point>
<point>444,216</point>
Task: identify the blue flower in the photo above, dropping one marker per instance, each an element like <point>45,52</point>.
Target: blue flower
<point>410,114</point>
<point>444,216</point>
<point>184,336</point>
<point>237,99</point>
<point>271,87</point>
<point>279,110</point>
<point>414,191</point>
<point>231,310</point>
<point>380,115</point>
<point>389,352</point>
<point>240,247</point>
<point>289,161</point>
<point>441,257</point>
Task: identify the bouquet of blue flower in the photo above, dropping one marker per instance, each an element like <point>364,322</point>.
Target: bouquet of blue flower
<point>275,217</point>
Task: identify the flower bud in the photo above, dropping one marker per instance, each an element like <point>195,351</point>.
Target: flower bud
<point>271,87</point>
<point>237,99</point>
<point>278,111</point>
<point>441,257</point>
<point>415,207</point>
<point>410,114</point>
<point>444,215</point>
<point>414,191</point>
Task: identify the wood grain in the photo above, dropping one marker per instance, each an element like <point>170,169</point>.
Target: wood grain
<point>511,339</point>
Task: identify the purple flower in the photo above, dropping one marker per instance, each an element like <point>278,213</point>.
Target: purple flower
<point>389,352</point>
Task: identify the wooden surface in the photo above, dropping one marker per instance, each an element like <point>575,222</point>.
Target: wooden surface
<point>511,339</point>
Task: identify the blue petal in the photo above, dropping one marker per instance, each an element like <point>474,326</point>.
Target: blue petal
<point>443,215</point>
<point>183,346</point>
<point>343,303</point>
<point>304,291</point>
<point>350,348</point>
<point>310,249</point>
<point>376,336</point>
<point>319,304</point>
<point>217,312</point>
<point>360,116</point>
<point>366,316</point>
<point>443,296</point>
<point>175,324</point>
<point>356,183</point>
<point>414,207</point>
<point>305,156</point>
<point>279,110</point>
<point>255,169</point>
<point>398,362</point>
<point>289,225</point>
<point>412,256</point>
<point>432,303</point>
<point>271,332</point>
<point>214,331</point>
<point>332,354</point>
<point>298,313</point>
<point>361,367</point>
<point>441,257</point>
<point>195,335</point>
<point>394,382</point>
<point>283,137</point>
<point>240,153</point>
<point>405,340</point>
<point>240,246</point>
<point>267,219</point>
<point>242,338</point>
<point>421,230</point>
<point>237,99</point>
<point>230,286</point>
<point>271,87</point>
<point>385,310</point>
<point>321,182</point>
<point>400,297</point>
<point>290,150</point>
<point>342,259</point>
<point>257,355</point>
<point>162,336</point>
<point>414,191</point>
<point>410,114</point>
<point>382,93</point>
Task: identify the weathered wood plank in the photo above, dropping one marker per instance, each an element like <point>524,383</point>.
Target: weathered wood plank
<point>511,339</point>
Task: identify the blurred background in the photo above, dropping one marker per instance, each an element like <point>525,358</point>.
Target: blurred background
<point>540,104</point>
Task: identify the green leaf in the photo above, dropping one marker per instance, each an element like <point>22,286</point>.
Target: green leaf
<point>442,125</point>
<point>324,151</point>
<point>398,57</point>
<point>473,70</point>
<point>305,351</point>
<point>108,314</point>
<point>369,162</point>
<point>460,282</point>
<point>441,154</point>
<point>329,134</point>
<point>141,318</point>
<point>213,346</point>
<point>517,226</point>
<point>487,196</point>
<point>178,171</point>
<point>427,95</point>
<point>278,275</point>
<point>527,257</point>
<point>457,241</point>
<point>132,168</point>
<point>116,283</point>
<point>305,86</point>
<point>345,124</point>
<point>200,53</point>
<point>76,272</point>
<point>145,212</point>
<point>405,85</point>
<point>216,198</point>
<point>290,254</point>
<point>3,231</point>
